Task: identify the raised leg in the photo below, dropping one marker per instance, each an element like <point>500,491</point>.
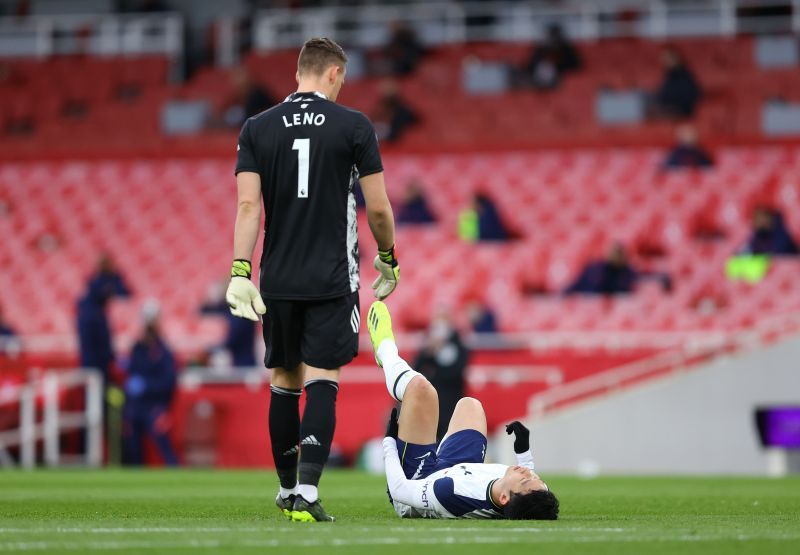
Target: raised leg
<point>419,414</point>
<point>468,415</point>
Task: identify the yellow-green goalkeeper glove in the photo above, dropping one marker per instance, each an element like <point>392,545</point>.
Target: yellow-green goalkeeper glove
<point>389,269</point>
<point>242,296</point>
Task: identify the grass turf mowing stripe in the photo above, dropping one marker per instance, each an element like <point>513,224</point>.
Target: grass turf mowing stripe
<point>188,511</point>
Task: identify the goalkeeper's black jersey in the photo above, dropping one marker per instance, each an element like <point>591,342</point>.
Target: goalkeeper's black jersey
<point>309,152</point>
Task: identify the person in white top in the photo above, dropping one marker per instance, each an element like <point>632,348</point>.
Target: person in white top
<point>451,479</point>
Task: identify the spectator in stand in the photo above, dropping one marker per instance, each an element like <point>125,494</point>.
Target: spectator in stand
<point>149,390</point>
<point>94,332</point>
<point>769,235</point>
<point>687,153</point>
<point>443,360</point>
<point>414,208</point>
<point>611,276</point>
<point>5,328</point>
<point>550,60</point>
<point>392,116</point>
<point>481,221</point>
<point>402,53</point>
<point>248,99</point>
<point>240,338</point>
<point>481,317</point>
<point>679,93</point>
<point>9,344</point>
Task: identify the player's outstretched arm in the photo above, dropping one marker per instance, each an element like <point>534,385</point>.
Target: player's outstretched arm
<point>242,296</point>
<point>381,223</point>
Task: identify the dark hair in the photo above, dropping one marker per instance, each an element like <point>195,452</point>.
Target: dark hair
<point>319,54</point>
<point>536,505</point>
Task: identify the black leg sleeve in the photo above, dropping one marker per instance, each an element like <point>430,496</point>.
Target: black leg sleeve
<point>284,430</point>
<point>316,431</point>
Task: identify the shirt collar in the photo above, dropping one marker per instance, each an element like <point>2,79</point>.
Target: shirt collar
<point>301,96</point>
<point>489,496</point>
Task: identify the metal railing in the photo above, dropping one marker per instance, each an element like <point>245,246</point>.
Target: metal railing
<point>452,22</point>
<point>478,375</point>
<point>54,420</point>
<point>94,34</point>
<point>612,341</point>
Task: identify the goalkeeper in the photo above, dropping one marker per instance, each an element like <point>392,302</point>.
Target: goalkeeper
<point>450,480</point>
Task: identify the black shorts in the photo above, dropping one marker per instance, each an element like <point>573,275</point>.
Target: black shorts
<point>323,334</point>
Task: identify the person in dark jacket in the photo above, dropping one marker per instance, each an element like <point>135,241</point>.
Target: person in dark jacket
<point>679,92</point>
<point>247,99</point>
<point>414,208</point>
<point>9,344</point>
<point>94,333</point>
<point>769,235</point>
<point>610,276</point>
<point>443,360</point>
<point>240,338</point>
<point>5,328</point>
<point>402,54</point>
<point>392,116</point>
<point>149,390</point>
<point>550,60</point>
<point>687,153</point>
<point>481,221</point>
<point>481,317</point>
<point>490,224</point>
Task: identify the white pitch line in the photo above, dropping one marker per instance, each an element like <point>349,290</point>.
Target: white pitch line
<point>223,530</point>
<point>154,530</point>
<point>555,528</point>
<point>215,544</point>
<point>342,542</point>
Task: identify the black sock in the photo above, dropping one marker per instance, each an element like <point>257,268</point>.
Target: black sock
<point>316,431</point>
<point>284,430</point>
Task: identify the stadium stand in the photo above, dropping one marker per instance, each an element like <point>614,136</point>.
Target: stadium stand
<point>128,94</point>
<point>566,206</point>
<point>86,168</point>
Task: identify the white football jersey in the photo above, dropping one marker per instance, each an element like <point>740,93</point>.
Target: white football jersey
<point>461,491</point>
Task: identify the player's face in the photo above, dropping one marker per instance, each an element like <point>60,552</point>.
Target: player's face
<point>519,479</point>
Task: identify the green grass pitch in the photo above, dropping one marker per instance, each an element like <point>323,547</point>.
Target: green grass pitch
<point>202,512</point>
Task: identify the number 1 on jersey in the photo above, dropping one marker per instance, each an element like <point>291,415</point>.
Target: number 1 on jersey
<point>303,148</point>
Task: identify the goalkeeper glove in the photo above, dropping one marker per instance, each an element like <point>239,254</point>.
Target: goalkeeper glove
<point>242,296</point>
<point>522,435</point>
<point>386,264</point>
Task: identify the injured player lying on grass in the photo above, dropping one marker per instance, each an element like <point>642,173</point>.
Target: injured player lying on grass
<point>450,480</point>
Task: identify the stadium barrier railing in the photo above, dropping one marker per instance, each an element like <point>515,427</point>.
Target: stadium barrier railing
<point>477,374</point>
<point>451,22</point>
<point>96,34</point>
<point>46,392</point>
<point>43,344</point>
